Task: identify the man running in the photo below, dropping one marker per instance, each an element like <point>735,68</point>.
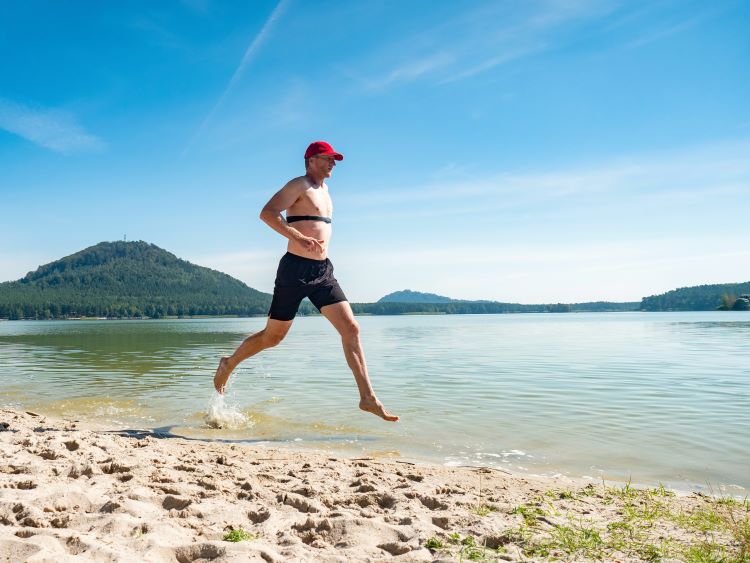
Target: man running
<point>305,271</point>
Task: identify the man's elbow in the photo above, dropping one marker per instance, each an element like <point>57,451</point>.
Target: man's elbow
<point>266,214</point>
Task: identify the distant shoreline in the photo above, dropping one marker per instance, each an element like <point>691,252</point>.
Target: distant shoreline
<point>408,314</point>
<point>124,280</point>
<point>360,314</point>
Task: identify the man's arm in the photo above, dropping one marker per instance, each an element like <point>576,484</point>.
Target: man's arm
<point>282,200</point>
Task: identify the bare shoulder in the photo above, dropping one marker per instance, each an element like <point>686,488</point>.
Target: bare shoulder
<point>298,184</point>
<point>288,195</point>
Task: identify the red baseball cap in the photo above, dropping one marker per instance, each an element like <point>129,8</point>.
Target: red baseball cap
<point>321,147</point>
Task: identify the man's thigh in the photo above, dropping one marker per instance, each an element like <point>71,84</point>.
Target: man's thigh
<point>285,303</point>
<point>324,295</point>
<point>277,329</point>
<point>340,315</point>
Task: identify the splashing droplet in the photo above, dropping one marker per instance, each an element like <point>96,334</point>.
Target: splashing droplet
<point>221,415</point>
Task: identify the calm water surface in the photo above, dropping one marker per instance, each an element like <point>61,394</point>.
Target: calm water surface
<point>657,397</point>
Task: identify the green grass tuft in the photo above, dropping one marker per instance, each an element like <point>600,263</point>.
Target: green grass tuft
<point>433,543</point>
<point>642,525</point>
<point>239,535</point>
<point>484,510</point>
<point>530,514</point>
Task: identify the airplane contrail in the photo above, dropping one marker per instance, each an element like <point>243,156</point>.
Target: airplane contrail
<point>250,52</point>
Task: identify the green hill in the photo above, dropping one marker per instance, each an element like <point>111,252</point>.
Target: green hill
<point>127,279</point>
<point>409,296</point>
<point>695,298</point>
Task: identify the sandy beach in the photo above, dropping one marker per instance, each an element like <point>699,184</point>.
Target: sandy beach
<point>72,491</point>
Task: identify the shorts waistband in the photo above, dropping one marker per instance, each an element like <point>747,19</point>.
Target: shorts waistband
<point>299,258</point>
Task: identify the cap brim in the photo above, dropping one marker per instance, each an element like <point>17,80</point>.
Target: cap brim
<point>338,156</point>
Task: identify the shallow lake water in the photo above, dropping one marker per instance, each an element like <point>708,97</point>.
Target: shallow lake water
<point>648,397</point>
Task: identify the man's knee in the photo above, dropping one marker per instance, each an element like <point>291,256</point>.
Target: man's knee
<point>350,330</point>
<point>271,339</point>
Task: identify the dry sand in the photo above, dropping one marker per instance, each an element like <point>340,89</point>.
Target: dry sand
<point>70,491</point>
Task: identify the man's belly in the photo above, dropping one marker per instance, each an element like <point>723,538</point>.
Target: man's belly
<point>313,229</point>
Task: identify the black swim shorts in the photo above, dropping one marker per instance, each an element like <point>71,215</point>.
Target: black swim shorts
<point>299,277</point>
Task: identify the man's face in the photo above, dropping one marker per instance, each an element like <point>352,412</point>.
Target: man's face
<point>322,164</point>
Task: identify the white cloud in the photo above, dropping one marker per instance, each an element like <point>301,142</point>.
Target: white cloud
<point>478,40</point>
<point>413,69</point>
<point>704,171</point>
<point>52,129</point>
<point>492,62</point>
<point>665,32</point>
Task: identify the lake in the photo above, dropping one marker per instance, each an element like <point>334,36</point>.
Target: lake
<point>648,397</point>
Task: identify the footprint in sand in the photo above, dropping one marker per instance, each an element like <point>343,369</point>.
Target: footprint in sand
<point>178,503</point>
<point>199,552</point>
<point>301,503</point>
<point>114,467</point>
<point>386,501</point>
<point>258,516</point>
<point>432,503</point>
<point>60,521</point>
<point>109,507</point>
<point>395,548</point>
<point>78,471</point>
<point>23,485</point>
<point>72,445</point>
<point>75,546</point>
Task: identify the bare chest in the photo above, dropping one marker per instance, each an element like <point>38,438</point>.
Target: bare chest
<point>314,201</point>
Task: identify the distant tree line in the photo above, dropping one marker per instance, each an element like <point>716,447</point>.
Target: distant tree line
<point>696,298</point>
<point>455,308</point>
<point>485,307</point>
<point>604,307</point>
<point>137,279</point>
<point>36,307</point>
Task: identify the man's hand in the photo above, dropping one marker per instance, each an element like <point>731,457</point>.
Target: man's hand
<point>312,245</point>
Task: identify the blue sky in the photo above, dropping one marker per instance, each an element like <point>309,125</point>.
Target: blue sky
<point>539,151</point>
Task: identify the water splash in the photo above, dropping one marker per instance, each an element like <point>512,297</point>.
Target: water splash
<point>221,415</point>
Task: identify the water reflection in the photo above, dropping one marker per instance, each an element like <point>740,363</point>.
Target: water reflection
<point>110,358</point>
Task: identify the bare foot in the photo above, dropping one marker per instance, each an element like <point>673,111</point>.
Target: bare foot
<point>376,407</point>
<point>222,375</point>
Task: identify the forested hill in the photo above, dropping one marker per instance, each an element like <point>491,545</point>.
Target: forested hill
<point>127,279</point>
<point>409,296</point>
<point>696,298</point>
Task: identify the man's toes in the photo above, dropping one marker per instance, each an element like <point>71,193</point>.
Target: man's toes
<point>379,410</point>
